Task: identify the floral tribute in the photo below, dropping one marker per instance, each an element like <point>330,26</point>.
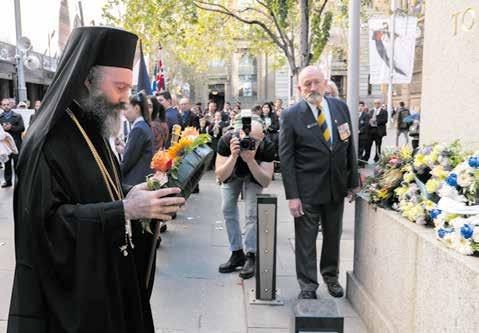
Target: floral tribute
<point>165,163</point>
<point>439,187</point>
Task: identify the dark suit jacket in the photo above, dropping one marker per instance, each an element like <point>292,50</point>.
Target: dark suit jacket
<point>225,116</point>
<point>312,170</point>
<point>138,154</point>
<point>363,127</point>
<point>381,120</point>
<point>17,127</point>
<point>190,119</point>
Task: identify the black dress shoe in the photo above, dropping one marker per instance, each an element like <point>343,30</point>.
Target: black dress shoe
<point>304,294</point>
<point>163,228</point>
<point>249,267</point>
<point>6,184</point>
<point>335,288</point>
<point>236,260</point>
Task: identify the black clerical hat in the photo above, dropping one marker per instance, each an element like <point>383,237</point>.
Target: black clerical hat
<point>117,47</point>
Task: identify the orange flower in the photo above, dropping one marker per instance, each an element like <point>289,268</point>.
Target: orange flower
<point>161,161</point>
<point>177,149</point>
<point>190,133</point>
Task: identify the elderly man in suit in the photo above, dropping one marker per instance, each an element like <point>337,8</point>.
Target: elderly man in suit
<point>318,163</point>
<point>378,118</point>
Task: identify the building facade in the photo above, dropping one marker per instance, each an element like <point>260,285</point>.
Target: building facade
<point>39,72</point>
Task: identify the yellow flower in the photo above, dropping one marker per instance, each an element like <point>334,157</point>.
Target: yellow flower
<point>407,168</point>
<point>432,185</point>
<point>176,150</point>
<point>419,160</point>
<point>439,172</point>
<point>428,204</point>
<point>400,191</point>
<point>405,153</point>
<point>383,194</point>
<point>409,177</point>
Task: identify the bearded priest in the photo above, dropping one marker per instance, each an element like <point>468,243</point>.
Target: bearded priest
<point>75,267</point>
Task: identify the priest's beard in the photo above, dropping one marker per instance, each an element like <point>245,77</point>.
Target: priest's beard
<point>314,98</point>
<point>106,114</point>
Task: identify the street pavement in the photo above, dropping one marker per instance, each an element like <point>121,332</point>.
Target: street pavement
<point>189,295</point>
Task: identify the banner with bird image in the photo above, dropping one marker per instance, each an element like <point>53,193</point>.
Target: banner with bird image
<point>380,49</point>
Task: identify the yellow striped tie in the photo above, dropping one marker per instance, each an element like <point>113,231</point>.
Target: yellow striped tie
<point>323,125</point>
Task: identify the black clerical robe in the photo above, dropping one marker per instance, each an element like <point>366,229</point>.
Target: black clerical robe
<point>70,274</point>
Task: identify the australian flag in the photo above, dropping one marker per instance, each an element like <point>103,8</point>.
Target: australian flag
<point>158,83</point>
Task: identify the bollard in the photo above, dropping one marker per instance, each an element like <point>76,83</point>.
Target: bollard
<point>266,292</point>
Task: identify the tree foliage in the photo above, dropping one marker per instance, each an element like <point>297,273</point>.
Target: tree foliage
<point>197,31</point>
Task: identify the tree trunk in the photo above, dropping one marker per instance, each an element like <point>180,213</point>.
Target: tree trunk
<point>304,33</point>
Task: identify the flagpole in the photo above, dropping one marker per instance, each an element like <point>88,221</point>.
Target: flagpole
<point>353,64</point>
<point>392,38</point>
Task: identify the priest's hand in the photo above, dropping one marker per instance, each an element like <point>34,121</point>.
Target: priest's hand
<point>143,204</point>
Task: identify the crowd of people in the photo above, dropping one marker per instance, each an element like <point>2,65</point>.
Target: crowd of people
<point>372,128</point>
<point>81,253</point>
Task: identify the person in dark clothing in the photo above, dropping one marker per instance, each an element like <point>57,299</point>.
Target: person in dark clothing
<point>363,133</point>
<point>158,124</point>
<point>190,118</point>
<point>215,130</point>
<point>319,167</point>
<point>135,165</point>
<point>37,106</point>
<point>402,124</point>
<point>173,116</point>
<point>271,126</point>
<point>12,123</point>
<point>247,171</point>
<point>378,118</point>
<point>75,265</point>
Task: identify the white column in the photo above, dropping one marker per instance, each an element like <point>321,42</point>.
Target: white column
<point>353,64</point>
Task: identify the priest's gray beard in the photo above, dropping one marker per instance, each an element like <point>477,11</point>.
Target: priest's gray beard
<point>105,113</point>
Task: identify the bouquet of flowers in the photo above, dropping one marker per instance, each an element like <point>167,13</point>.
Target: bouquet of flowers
<point>458,232</point>
<point>388,175</point>
<point>418,194</point>
<point>433,162</point>
<point>181,165</point>
<point>456,218</point>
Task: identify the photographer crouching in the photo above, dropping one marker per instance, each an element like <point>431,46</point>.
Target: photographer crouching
<point>244,163</point>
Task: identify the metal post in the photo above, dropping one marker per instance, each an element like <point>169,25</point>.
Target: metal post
<point>392,30</point>
<point>353,64</point>
<point>266,292</point>
<point>80,8</point>
<point>22,89</point>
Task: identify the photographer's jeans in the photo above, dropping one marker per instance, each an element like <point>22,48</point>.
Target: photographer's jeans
<point>230,193</point>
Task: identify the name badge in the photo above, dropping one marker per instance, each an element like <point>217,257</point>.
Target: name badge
<point>344,131</point>
<point>312,125</point>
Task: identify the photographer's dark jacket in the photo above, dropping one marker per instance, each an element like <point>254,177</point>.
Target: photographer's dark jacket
<point>312,170</point>
<point>265,153</point>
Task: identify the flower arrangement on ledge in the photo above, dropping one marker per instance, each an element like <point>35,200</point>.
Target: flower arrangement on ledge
<point>439,187</point>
